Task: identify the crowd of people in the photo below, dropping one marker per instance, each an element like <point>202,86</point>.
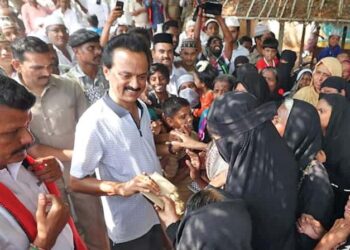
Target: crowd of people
<point>97,99</point>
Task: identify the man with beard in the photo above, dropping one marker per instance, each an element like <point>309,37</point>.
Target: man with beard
<point>59,104</point>
<point>57,34</point>
<point>163,52</point>
<point>188,55</point>
<point>87,71</point>
<point>215,52</point>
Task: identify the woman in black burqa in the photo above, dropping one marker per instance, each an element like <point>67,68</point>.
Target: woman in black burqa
<point>303,135</point>
<point>262,169</point>
<point>334,111</point>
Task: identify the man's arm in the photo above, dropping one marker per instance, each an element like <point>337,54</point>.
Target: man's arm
<point>115,13</point>
<point>40,150</point>
<point>197,30</point>
<point>228,39</point>
<point>90,185</point>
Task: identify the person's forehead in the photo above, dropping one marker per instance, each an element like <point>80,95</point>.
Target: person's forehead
<point>9,29</point>
<point>12,118</point>
<point>163,46</point>
<point>189,50</point>
<point>321,68</point>
<point>183,110</point>
<point>125,57</point>
<point>37,58</point>
<point>56,26</point>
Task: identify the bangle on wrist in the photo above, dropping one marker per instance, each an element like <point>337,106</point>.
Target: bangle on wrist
<point>34,247</point>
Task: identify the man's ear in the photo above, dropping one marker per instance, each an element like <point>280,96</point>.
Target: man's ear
<point>106,72</point>
<point>16,64</point>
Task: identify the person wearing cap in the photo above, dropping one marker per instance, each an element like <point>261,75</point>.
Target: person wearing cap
<point>88,72</point>
<point>122,26</point>
<point>215,52</point>
<point>333,49</point>
<point>57,34</point>
<point>187,33</point>
<point>188,54</point>
<point>163,52</point>
<point>261,32</point>
<point>59,104</point>
<point>30,11</point>
<point>11,30</point>
<point>69,15</point>
<point>233,25</point>
<point>6,56</point>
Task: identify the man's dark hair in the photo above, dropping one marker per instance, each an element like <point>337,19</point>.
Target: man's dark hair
<point>14,95</point>
<point>93,20</point>
<point>173,104</point>
<point>171,23</point>
<point>212,38</point>
<point>208,76</point>
<point>270,43</point>
<point>230,80</point>
<point>131,42</point>
<point>145,34</point>
<point>28,44</point>
<point>158,67</point>
<point>245,39</point>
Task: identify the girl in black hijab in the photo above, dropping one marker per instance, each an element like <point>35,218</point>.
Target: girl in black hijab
<point>249,80</point>
<point>334,111</point>
<point>284,69</point>
<point>299,124</point>
<point>262,170</point>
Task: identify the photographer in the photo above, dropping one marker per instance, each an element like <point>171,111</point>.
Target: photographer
<point>215,52</point>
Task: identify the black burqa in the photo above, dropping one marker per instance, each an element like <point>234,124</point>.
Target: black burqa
<point>337,83</point>
<point>262,169</point>
<point>284,69</point>
<point>218,226</point>
<point>336,145</point>
<point>253,82</point>
<point>303,135</point>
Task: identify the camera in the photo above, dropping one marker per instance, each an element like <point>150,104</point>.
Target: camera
<point>212,7</point>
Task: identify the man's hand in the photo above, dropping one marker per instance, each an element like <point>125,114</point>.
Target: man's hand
<point>114,14</point>
<point>186,141</point>
<point>308,225</point>
<point>51,171</point>
<point>52,215</point>
<point>140,183</point>
<point>167,215</point>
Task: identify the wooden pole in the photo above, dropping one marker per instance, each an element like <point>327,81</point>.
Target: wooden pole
<point>302,44</point>
<point>280,36</point>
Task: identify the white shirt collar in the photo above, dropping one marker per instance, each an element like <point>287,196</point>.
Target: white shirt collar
<point>13,169</point>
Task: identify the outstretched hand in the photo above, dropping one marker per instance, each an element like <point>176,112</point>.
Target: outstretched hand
<point>167,215</point>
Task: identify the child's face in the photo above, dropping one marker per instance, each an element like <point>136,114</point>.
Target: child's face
<point>182,120</point>
<point>269,53</point>
<point>158,82</point>
<point>186,85</point>
<point>334,41</point>
<point>220,88</point>
<point>212,29</point>
<point>247,45</point>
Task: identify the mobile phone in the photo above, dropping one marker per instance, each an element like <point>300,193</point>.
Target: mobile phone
<point>119,4</point>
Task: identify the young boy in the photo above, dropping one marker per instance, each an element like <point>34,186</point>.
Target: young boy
<point>177,116</point>
<point>333,49</point>
<point>270,49</point>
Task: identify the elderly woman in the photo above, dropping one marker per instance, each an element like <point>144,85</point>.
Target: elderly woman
<point>325,68</point>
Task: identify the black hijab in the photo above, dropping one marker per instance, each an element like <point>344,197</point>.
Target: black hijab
<point>303,132</point>
<point>220,226</point>
<point>284,69</point>
<point>337,83</point>
<point>303,135</point>
<point>337,140</point>
<point>262,169</point>
<point>253,82</point>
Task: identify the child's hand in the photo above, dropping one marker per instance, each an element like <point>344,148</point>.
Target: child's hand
<point>193,164</point>
<point>156,127</point>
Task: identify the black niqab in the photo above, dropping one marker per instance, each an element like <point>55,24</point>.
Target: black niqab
<point>303,132</point>
<point>262,169</point>
<point>220,226</point>
<point>284,69</point>
<point>337,83</point>
<point>253,82</point>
